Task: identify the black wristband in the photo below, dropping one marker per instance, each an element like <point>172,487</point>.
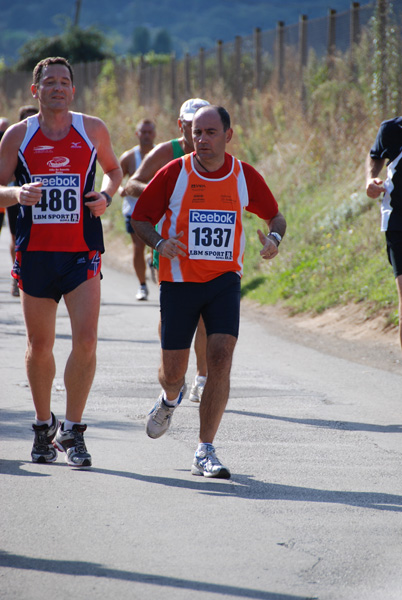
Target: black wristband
<point>109,199</point>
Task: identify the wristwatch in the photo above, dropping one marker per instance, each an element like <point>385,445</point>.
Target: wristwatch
<point>276,235</point>
<point>108,198</point>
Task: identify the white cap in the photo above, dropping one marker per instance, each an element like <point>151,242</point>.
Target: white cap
<point>190,107</point>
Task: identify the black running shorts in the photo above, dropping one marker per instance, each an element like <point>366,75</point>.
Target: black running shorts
<point>182,304</point>
<point>394,250</point>
<point>53,274</point>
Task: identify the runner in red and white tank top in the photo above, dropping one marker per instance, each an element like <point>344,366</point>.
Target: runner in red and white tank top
<point>66,168</point>
<point>59,241</point>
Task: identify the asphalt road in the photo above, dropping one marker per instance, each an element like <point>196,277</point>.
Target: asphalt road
<point>313,509</point>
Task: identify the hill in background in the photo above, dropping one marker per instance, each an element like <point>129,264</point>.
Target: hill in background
<point>190,23</point>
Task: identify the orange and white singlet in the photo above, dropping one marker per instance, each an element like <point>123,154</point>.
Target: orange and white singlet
<point>209,212</point>
<point>60,222</point>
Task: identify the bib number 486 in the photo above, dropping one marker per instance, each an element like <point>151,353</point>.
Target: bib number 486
<point>56,200</point>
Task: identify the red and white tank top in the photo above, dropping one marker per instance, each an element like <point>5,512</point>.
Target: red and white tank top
<point>60,222</point>
<point>209,212</point>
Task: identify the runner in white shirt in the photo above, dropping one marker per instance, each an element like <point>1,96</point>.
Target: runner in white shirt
<point>129,162</point>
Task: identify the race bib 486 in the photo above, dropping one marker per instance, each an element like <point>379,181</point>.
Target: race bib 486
<point>211,234</point>
<point>60,202</point>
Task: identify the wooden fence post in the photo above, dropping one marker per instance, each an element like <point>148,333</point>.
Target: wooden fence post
<point>187,75</point>
<point>238,70</point>
<point>354,35</point>
<point>280,53</point>
<point>257,59</point>
<point>219,57</point>
<point>331,40</point>
<point>202,71</point>
<point>303,58</point>
<point>355,23</point>
<point>141,80</point>
<point>160,83</point>
<point>173,79</point>
<point>382,6</point>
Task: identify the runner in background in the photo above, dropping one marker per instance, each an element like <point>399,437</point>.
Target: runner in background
<point>386,150</point>
<point>12,211</point>
<point>130,162</point>
<point>156,159</point>
<point>4,125</point>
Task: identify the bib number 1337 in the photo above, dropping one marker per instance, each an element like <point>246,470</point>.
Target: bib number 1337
<point>211,234</point>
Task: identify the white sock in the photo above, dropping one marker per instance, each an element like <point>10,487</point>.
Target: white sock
<point>203,447</point>
<point>171,402</point>
<point>200,379</point>
<point>69,424</point>
<point>48,422</point>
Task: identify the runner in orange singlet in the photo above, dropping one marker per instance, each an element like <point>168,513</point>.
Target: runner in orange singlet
<point>199,201</point>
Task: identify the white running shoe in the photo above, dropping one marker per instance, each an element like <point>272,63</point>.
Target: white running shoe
<point>142,293</point>
<point>197,388</point>
<point>159,418</point>
<point>71,441</point>
<point>206,463</point>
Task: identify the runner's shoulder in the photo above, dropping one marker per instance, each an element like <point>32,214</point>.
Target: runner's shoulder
<point>14,135</point>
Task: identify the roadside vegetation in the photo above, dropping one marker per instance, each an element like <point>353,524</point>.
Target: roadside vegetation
<point>313,160</point>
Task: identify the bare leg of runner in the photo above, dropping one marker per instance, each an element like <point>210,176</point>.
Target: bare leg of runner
<point>139,260</point>
<point>200,348</point>
<point>399,288</point>
<point>40,321</point>
<point>80,368</point>
<point>220,348</point>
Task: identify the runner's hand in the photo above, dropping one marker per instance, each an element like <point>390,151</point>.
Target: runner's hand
<point>374,187</point>
<point>30,193</point>
<point>97,206</point>
<point>270,249</point>
<point>171,247</point>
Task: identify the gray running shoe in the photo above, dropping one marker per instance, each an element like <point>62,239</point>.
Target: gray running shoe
<point>159,418</point>
<point>15,290</point>
<point>150,263</point>
<point>72,443</point>
<point>197,389</point>
<point>42,449</point>
<point>142,293</point>
<point>208,465</point>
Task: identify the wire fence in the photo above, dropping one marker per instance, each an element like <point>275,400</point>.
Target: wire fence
<point>235,69</point>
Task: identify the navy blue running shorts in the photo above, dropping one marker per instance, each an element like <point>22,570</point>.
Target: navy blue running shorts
<point>53,274</point>
<point>217,301</point>
<point>129,229</point>
<point>394,250</point>
<point>12,214</point>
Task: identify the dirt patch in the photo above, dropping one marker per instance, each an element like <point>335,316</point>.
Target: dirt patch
<point>345,331</point>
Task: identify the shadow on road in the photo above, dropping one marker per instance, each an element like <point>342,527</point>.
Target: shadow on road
<point>343,425</point>
<point>88,569</point>
<point>242,486</point>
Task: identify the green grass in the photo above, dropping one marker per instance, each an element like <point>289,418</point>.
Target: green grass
<point>333,253</point>
<point>331,256</point>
